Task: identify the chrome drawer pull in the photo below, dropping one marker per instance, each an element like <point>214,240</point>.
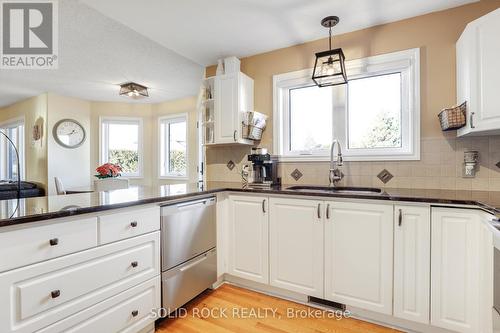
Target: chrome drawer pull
<point>55,293</point>
<point>135,313</point>
<point>133,224</point>
<point>54,241</point>
<point>134,264</point>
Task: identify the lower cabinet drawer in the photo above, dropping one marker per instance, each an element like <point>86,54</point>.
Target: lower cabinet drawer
<point>39,243</point>
<point>127,312</point>
<point>116,226</point>
<point>35,296</point>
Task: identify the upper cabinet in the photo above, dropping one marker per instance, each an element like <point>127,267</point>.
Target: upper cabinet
<point>228,97</point>
<point>478,70</point>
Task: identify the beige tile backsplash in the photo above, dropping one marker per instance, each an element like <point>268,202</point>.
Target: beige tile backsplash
<point>440,167</point>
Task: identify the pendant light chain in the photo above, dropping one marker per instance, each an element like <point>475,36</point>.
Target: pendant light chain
<point>329,67</point>
<point>330,39</point>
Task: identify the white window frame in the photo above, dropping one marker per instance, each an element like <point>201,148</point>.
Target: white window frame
<point>171,118</point>
<point>406,62</point>
<point>20,145</point>
<point>104,142</point>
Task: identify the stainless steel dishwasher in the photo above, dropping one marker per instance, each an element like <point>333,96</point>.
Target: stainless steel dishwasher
<point>189,256</point>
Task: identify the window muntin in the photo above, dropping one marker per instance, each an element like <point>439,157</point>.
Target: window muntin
<point>173,147</point>
<point>374,112</point>
<point>121,143</point>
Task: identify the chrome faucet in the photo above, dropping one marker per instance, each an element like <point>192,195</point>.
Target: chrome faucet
<point>335,174</point>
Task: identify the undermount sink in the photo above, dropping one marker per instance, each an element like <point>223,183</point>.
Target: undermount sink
<point>339,189</point>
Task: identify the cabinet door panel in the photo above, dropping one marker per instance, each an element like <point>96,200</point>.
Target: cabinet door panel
<point>248,238</point>
<point>296,245</point>
<point>478,70</point>
<point>455,267</point>
<point>412,244</point>
<point>226,107</point>
<point>489,70</point>
<point>359,255</point>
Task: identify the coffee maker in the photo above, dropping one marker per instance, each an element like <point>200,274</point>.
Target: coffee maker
<point>263,170</point>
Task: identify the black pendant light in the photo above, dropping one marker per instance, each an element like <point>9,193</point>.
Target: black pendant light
<point>329,68</point>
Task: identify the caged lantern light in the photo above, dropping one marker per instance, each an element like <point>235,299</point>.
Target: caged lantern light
<point>133,90</point>
<point>329,68</point>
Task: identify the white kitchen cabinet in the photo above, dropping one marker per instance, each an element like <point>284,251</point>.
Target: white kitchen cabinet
<point>33,297</point>
<point>486,277</point>
<point>26,245</point>
<point>359,255</point>
<point>455,267</point>
<point>115,226</point>
<point>296,245</point>
<point>233,96</point>
<point>412,246</point>
<point>478,69</point>
<point>127,312</point>
<point>248,229</point>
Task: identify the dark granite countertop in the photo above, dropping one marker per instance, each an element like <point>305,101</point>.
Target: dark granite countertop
<point>43,208</point>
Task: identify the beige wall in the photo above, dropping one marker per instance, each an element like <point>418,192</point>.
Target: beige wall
<point>111,109</point>
<point>72,166</point>
<point>32,110</point>
<point>435,34</point>
<point>149,113</point>
<point>76,167</point>
<point>189,107</point>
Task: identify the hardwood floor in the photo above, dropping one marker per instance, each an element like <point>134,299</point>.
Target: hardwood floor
<point>269,315</point>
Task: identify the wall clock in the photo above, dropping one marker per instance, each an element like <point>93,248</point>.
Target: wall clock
<point>69,133</point>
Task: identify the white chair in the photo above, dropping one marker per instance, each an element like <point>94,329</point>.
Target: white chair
<point>59,186</point>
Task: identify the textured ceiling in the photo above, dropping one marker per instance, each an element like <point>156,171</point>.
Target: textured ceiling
<point>204,30</point>
<point>96,54</point>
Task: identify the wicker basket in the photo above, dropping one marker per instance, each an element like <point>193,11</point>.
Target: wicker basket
<point>453,118</point>
<point>253,125</point>
<point>252,132</point>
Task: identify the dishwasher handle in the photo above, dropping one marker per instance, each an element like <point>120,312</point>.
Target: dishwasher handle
<point>193,203</point>
<point>194,263</point>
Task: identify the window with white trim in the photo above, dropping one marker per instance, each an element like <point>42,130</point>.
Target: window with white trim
<point>14,129</point>
<point>376,116</point>
<point>121,143</point>
<point>173,146</point>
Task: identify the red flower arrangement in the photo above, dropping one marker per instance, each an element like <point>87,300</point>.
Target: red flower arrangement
<point>108,170</point>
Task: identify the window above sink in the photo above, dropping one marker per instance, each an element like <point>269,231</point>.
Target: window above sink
<point>376,116</point>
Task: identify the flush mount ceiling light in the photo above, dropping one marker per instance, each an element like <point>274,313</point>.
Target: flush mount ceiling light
<point>329,68</point>
<point>133,90</point>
